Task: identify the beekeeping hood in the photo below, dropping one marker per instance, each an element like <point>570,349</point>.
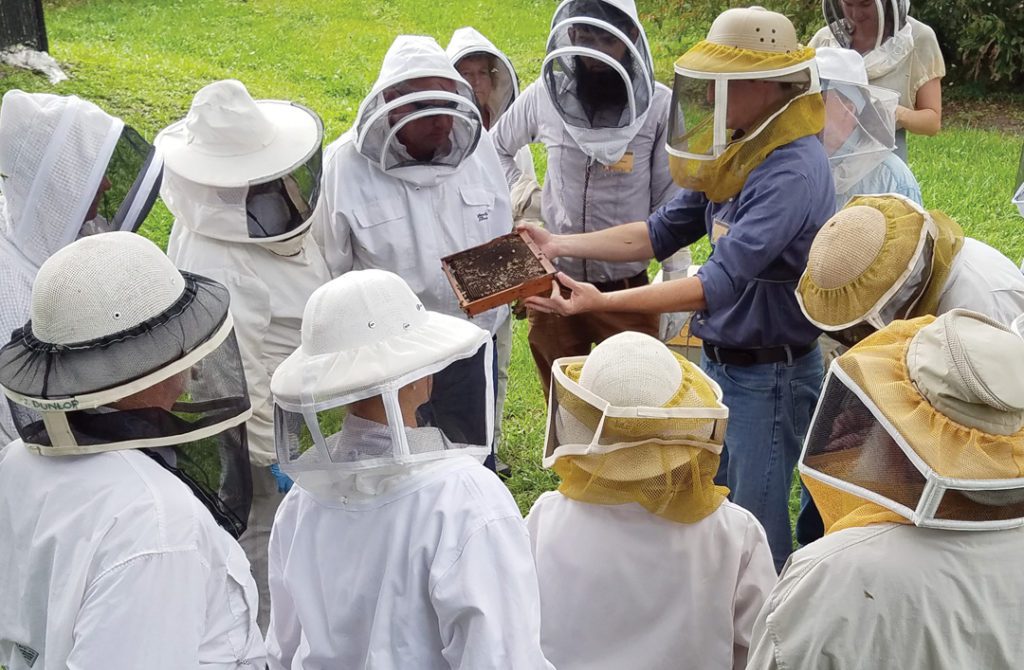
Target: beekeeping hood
<point>894,40</point>
<point>860,120</point>
<point>417,82</point>
<point>124,351</point>
<point>922,422</point>
<point>752,43</point>
<point>635,422</point>
<point>55,154</point>
<point>468,42</point>
<point>880,258</point>
<point>243,170</point>
<point>599,74</point>
<point>352,403</point>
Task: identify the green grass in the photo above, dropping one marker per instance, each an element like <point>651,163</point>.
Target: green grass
<point>144,59</point>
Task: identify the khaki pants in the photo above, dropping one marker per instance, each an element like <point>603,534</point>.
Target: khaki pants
<point>553,336</point>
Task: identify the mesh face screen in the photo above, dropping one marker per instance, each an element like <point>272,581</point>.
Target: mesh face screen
<point>848,443</point>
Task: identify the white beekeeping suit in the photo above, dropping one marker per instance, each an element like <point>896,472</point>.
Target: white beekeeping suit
<point>915,460</point>
<point>415,180</point>
<point>504,89</point>
<point>67,169</point>
<point>386,209</point>
<point>394,549</point>
<point>242,181</point>
<point>120,502</point>
<point>496,86</point>
<point>641,560</point>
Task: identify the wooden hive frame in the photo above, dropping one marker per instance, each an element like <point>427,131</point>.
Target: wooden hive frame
<point>536,285</point>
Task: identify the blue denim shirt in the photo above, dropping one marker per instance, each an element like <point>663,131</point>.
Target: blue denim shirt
<point>890,176</point>
<point>759,241</point>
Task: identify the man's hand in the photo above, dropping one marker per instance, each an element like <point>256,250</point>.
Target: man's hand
<point>583,297</point>
<point>543,238</point>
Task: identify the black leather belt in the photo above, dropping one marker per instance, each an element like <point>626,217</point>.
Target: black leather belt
<point>621,284</point>
<point>784,354</point>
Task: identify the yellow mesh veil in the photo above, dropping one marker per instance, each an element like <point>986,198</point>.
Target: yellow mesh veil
<point>878,367</point>
<point>658,463</point>
<point>832,301</point>
<point>723,177</point>
<point>711,58</point>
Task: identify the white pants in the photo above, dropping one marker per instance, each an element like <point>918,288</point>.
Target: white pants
<point>256,538</point>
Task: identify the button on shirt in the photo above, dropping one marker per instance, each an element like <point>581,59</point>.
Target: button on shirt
<point>759,240</point>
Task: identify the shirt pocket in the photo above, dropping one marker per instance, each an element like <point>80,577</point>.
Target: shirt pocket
<point>478,202</point>
<point>383,237</point>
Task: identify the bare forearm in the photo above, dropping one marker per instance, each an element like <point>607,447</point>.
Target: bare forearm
<point>679,295</point>
<point>920,121</point>
<point>628,242</point>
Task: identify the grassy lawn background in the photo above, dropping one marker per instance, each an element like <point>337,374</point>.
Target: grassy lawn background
<point>144,59</point>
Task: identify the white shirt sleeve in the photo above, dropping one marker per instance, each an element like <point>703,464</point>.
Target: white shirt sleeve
<point>331,228</point>
<point>516,128</point>
<point>488,602</point>
<point>762,647</point>
<point>756,579</point>
<point>149,612</point>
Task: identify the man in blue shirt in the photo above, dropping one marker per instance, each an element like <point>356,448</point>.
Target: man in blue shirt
<point>757,183</point>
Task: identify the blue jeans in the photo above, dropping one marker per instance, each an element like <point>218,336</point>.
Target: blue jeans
<point>770,408</point>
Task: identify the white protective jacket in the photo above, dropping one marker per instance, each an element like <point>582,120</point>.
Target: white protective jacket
<point>434,573</point>
<point>896,596</point>
<point>623,588</point>
<point>53,150</point>
<point>268,293</point>
<point>406,219</point>
<point>580,194</point>
<point>983,280</point>
<point>108,561</point>
<point>466,41</point>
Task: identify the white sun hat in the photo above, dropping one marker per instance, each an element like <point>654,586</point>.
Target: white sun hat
<point>229,139</point>
<point>366,334</point>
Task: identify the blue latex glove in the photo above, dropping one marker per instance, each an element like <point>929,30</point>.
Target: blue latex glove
<point>284,482</point>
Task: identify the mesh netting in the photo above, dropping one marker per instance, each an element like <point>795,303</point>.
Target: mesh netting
<point>598,68</point>
<point>665,463</point>
<point>425,121</point>
<point>57,149</point>
<point>406,421</point>
<point>194,401</point>
<point>860,130</point>
<point>674,482</point>
<point>38,369</point>
<point>890,16</point>
<point>710,58</point>
<point>831,304</point>
<point>134,177</point>
<point>216,469</point>
<point>724,177</point>
<point>851,444</point>
<point>484,70</point>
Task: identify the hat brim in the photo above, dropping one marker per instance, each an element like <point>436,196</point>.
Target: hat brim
<point>298,134</point>
<point>359,373</point>
<point>35,369</point>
